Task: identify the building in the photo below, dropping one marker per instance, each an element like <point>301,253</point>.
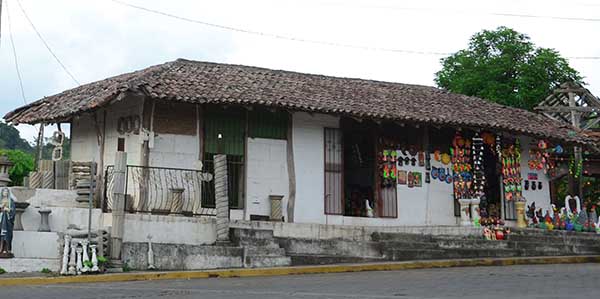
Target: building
<point>325,145</point>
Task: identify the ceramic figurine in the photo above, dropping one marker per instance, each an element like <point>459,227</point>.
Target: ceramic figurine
<point>369,209</point>
<point>7,221</point>
<point>487,233</point>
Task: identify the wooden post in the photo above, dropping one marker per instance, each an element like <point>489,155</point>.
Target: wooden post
<point>221,198</point>
<point>575,184</point>
<point>118,208</point>
<point>291,170</point>
<point>147,115</point>
<point>101,138</point>
<point>40,145</point>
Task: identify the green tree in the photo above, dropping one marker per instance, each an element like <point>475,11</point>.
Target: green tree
<point>23,164</point>
<point>504,66</point>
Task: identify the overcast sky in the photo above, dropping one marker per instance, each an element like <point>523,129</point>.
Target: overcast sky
<point>97,39</point>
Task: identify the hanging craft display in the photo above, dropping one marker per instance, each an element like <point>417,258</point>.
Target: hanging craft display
<point>389,170</point>
<point>511,172</point>
<point>539,157</point>
<point>402,177</point>
<point>478,171</point>
<point>462,168</point>
<point>417,178</point>
<point>575,167</point>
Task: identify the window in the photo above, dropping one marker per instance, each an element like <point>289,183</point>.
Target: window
<point>333,172</point>
<point>266,124</point>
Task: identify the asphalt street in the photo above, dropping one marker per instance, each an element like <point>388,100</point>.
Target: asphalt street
<point>540,281</point>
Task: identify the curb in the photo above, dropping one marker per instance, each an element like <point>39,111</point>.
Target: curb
<point>296,270</point>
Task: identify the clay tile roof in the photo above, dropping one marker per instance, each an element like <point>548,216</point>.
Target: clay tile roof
<point>204,82</point>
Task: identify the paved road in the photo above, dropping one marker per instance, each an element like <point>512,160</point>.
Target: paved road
<point>544,281</point>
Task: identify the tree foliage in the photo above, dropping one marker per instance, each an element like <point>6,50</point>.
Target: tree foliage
<point>23,164</point>
<point>10,138</point>
<point>504,66</point>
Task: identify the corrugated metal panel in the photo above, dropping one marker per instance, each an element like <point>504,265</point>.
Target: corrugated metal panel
<point>266,124</point>
<point>231,125</point>
<point>334,170</point>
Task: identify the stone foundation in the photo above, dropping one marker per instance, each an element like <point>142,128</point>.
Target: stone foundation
<point>182,257</point>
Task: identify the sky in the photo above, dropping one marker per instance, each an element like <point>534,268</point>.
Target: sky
<point>96,39</point>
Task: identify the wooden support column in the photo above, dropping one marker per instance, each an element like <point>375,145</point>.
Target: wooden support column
<point>118,208</point>
<point>40,145</point>
<point>101,139</point>
<point>291,204</point>
<point>146,131</point>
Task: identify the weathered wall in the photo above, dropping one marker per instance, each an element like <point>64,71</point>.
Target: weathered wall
<point>84,145</point>
<point>65,210</point>
<point>267,175</point>
<point>169,229</point>
<point>182,257</point>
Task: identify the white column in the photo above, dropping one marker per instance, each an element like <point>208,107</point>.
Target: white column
<point>94,258</point>
<point>221,198</point>
<point>118,212</point>
<point>65,260</point>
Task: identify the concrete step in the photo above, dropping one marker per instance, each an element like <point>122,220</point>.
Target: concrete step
<point>454,253</point>
<point>264,243</point>
<point>405,237</point>
<point>333,247</point>
<point>264,251</point>
<point>260,261</point>
<point>244,233</point>
<point>314,259</point>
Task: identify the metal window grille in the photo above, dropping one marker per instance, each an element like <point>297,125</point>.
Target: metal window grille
<point>334,171</point>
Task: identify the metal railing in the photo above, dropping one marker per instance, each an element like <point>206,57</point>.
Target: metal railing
<point>152,190</point>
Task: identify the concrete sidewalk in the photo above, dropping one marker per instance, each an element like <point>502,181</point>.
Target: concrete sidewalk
<point>225,273</point>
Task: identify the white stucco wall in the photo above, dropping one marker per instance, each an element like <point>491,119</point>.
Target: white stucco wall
<point>84,145</point>
<point>429,204</point>
<point>169,229</point>
<point>308,163</point>
<point>540,197</point>
<point>174,151</point>
<point>267,175</point>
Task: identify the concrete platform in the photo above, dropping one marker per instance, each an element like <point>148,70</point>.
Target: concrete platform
<point>29,264</point>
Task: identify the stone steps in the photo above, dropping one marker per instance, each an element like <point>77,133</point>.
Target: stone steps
<point>261,261</point>
<point>315,259</point>
<point>260,248</point>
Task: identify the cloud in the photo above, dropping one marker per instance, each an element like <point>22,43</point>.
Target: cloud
<point>98,39</point>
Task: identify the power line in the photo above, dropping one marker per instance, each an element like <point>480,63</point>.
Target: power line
<point>455,11</point>
<point>318,42</point>
<point>46,44</point>
<point>14,50</point>
<point>278,36</point>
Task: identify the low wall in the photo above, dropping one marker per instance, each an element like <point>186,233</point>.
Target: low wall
<point>348,232</point>
<point>169,229</point>
<point>182,257</point>
<point>65,209</point>
<point>33,252</point>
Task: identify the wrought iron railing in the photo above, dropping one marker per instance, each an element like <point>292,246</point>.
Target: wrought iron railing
<point>152,190</point>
